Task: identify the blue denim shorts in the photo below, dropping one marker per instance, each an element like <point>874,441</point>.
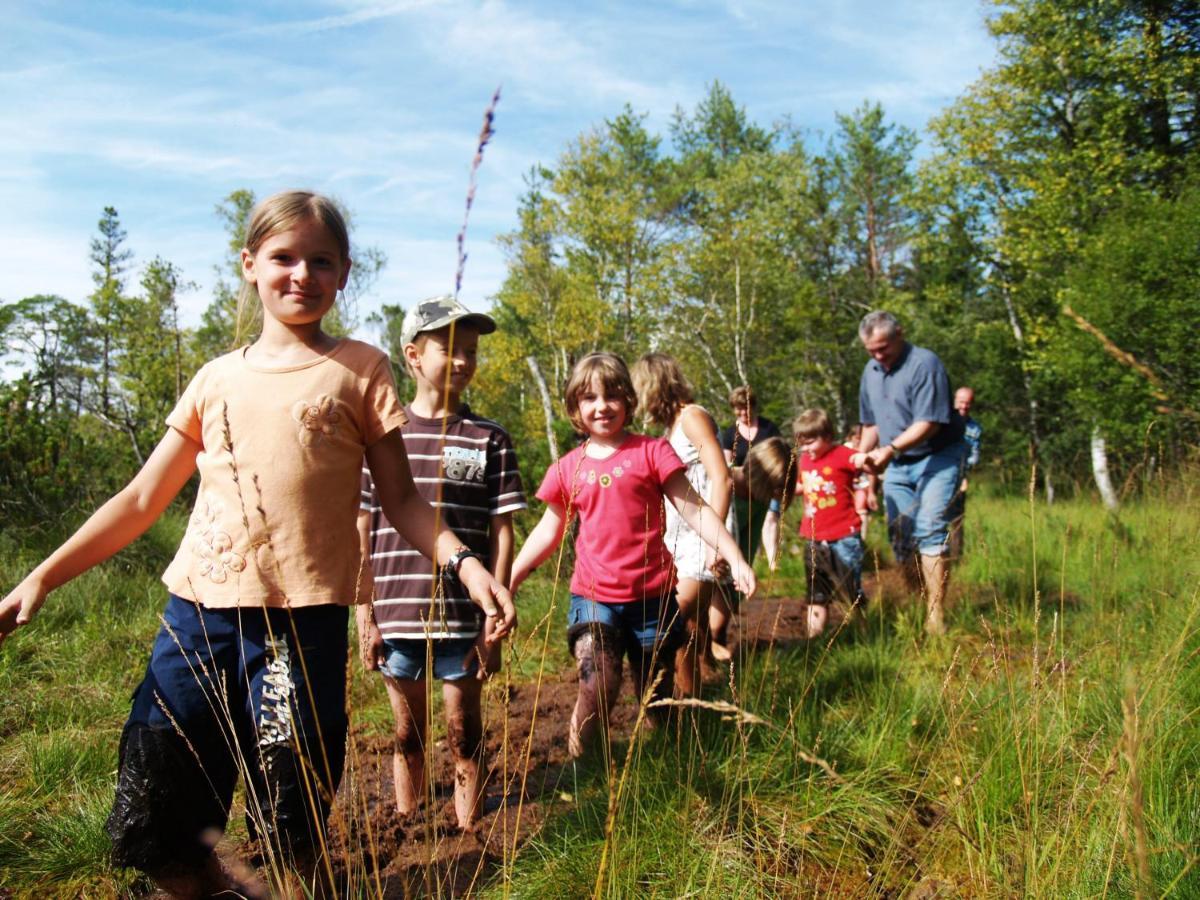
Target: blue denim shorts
<point>639,625</point>
<point>919,497</point>
<point>406,658</point>
<point>834,569</point>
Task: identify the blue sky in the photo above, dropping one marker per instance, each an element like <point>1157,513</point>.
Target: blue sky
<point>161,109</point>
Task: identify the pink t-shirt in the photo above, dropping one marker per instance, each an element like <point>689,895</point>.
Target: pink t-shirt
<point>620,555</point>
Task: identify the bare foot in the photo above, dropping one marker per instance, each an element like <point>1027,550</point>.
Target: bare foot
<point>934,621</point>
<point>817,616</point>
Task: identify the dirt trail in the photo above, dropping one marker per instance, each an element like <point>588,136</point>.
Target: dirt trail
<point>427,855</point>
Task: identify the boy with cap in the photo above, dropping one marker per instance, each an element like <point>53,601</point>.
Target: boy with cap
<point>421,623</point>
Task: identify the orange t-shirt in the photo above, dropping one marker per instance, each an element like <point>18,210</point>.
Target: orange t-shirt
<point>275,517</point>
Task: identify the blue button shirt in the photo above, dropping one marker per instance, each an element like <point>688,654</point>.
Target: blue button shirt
<point>915,389</point>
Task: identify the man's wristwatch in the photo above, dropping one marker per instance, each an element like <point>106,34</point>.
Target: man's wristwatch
<point>454,563</point>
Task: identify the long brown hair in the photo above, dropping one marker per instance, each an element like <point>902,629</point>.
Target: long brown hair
<point>770,471</point>
<point>661,387</point>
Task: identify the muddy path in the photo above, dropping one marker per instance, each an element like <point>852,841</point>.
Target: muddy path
<point>531,777</point>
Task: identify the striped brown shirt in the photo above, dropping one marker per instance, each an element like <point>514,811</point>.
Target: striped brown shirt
<point>474,467</point>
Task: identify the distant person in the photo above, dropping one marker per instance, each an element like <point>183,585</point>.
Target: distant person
<point>832,522</point>
<point>666,398</point>
<point>964,399</point>
<point>418,627</point>
<point>623,585</point>
<point>865,485</point>
<point>248,672</point>
<point>748,429</point>
<point>913,435</point>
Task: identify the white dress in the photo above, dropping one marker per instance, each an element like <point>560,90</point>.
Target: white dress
<point>684,544</point>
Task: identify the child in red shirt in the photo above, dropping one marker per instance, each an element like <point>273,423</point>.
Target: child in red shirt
<point>832,525</point>
<point>622,590</point>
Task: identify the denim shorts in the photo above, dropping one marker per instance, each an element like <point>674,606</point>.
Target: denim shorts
<point>919,497</point>
<point>406,658</point>
<point>834,569</point>
<point>638,625</point>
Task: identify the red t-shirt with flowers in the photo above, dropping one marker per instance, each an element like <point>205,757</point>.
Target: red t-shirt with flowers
<point>827,486</point>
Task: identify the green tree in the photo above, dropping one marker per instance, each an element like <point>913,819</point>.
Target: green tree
<point>111,258</point>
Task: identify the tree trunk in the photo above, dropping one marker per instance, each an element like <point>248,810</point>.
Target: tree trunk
<point>547,409</point>
<point>1100,470</point>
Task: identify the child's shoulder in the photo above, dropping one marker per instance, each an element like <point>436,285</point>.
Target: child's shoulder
<point>491,426</point>
<point>367,356</point>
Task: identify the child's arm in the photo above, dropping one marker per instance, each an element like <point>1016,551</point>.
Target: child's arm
<point>370,640</point>
<point>111,528</point>
<point>541,542</point>
<point>702,520</point>
<point>417,522</point>
<point>699,428</point>
<point>500,551</point>
<point>770,536</point>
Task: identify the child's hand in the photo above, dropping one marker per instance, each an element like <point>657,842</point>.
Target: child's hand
<point>370,646</point>
<point>490,595</point>
<point>20,605</point>
<point>486,652</point>
<point>743,578</point>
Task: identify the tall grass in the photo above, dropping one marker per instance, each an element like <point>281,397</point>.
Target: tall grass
<point>1047,747</point>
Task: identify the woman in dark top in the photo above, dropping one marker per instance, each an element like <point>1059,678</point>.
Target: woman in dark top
<point>748,429</point>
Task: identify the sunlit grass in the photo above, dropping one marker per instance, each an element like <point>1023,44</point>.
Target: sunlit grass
<point>1048,747</point>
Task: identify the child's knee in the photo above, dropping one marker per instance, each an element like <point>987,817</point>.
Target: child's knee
<point>165,811</point>
<point>409,735</point>
<point>464,733</point>
<point>598,660</point>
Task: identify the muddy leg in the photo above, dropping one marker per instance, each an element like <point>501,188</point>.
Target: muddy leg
<point>694,656</point>
<point>719,617</point>
<point>464,732</point>
<point>411,711</point>
<point>598,662</point>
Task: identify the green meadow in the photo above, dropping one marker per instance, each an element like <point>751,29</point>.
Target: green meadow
<point>1048,747</point>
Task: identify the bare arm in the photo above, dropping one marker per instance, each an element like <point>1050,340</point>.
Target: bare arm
<point>115,525</point>
<point>370,640</point>
<point>418,523</point>
<point>546,535</point>
<point>500,552</point>
<point>700,429</point>
<point>877,460</point>
<point>500,546</point>
<point>702,520</point>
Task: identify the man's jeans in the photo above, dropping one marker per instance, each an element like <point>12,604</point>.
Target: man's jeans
<point>919,498</point>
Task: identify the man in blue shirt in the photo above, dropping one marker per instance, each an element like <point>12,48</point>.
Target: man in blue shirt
<point>913,435</point>
<point>964,399</point>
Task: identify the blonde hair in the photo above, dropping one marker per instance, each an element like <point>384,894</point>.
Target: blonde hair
<point>770,470</point>
<point>277,213</point>
<point>743,398</point>
<point>613,375</point>
<point>661,387</point>
<point>812,423</point>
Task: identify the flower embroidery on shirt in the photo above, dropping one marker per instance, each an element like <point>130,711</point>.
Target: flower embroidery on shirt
<point>318,419</point>
<point>819,493</point>
<point>213,546</point>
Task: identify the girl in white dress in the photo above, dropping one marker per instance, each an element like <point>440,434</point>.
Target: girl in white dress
<point>665,395</point>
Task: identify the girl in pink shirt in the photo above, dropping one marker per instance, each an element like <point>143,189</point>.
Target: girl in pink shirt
<point>622,588</point>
